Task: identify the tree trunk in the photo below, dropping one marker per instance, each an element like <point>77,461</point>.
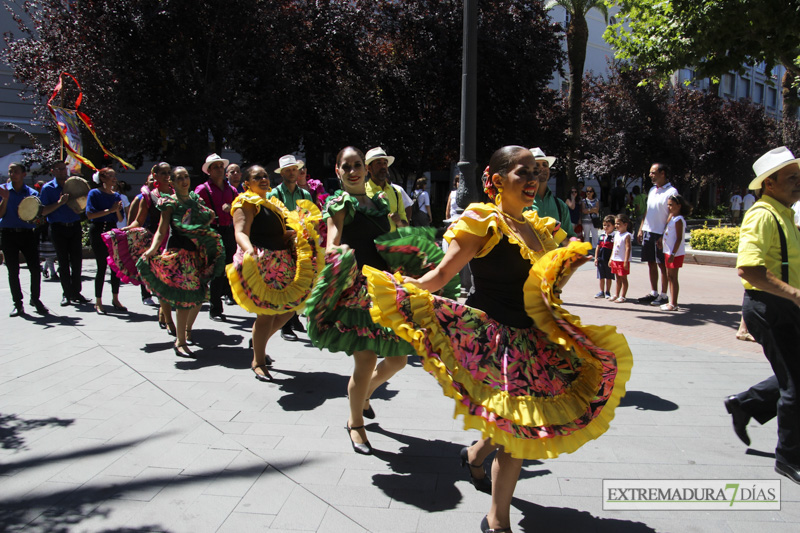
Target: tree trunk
<point>791,101</point>
<point>577,38</point>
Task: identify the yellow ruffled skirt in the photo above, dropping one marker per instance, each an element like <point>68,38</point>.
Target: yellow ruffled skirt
<point>538,391</point>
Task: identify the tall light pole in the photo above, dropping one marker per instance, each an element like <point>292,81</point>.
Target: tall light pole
<point>467,186</point>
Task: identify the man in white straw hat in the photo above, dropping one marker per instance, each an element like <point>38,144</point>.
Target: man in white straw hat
<point>289,193</point>
<point>769,265</point>
<point>378,163</point>
<point>218,194</point>
<point>545,202</point>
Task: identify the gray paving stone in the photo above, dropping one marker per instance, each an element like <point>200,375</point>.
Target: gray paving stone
<point>301,511</point>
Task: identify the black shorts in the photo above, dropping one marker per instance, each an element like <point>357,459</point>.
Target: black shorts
<point>650,252</point>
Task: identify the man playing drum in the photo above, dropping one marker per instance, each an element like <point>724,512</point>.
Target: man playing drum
<point>65,233</point>
<point>18,236</point>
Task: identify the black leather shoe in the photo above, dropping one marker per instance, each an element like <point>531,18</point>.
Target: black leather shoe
<point>483,484</point>
<point>40,308</point>
<point>216,317</point>
<point>287,334</point>
<point>16,311</point>
<point>740,418</point>
<point>792,472</point>
<point>64,301</point>
<point>297,325</point>
<point>486,529</point>
<point>369,413</point>
<point>80,299</point>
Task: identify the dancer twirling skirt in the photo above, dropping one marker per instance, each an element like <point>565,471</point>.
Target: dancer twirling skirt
<point>530,376</point>
<point>338,309</point>
<point>180,274</point>
<point>276,261</point>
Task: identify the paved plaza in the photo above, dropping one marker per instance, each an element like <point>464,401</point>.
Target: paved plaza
<point>103,428</point>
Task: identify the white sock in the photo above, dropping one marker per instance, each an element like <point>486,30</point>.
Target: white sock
<point>663,295</point>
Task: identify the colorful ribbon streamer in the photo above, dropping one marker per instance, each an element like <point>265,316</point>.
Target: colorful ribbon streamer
<point>63,117</point>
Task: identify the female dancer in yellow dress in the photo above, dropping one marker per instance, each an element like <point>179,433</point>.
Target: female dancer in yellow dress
<point>523,371</point>
<point>276,263</point>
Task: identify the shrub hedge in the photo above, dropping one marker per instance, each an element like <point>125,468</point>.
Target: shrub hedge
<point>715,239</point>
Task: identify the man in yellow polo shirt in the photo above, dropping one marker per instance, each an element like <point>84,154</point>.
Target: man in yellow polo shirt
<point>378,164</point>
<point>769,265</point>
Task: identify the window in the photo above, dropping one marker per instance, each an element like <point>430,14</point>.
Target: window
<point>758,97</point>
<point>744,89</point>
<point>772,97</point>
<point>728,84</point>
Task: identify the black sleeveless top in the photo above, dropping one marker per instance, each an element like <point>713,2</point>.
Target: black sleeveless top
<point>498,281</point>
<point>266,231</point>
<point>360,235</point>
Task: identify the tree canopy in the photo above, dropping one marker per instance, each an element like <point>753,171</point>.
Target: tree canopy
<point>167,79</point>
<point>711,36</point>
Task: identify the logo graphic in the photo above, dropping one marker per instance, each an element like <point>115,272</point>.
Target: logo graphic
<point>691,495</point>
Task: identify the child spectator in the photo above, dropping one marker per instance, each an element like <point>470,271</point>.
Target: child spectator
<point>621,257</point>
<point>674,246</point>
<point>604,247</point>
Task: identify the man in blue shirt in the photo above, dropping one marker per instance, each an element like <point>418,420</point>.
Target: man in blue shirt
<point>65,233</point>
<point>18,237</point>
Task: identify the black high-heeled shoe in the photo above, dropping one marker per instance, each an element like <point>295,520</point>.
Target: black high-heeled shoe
<point>363,449</point>
<point>369,412</point>
<point>483,484</point>
<point>266,377</point>
<point>486,529</point>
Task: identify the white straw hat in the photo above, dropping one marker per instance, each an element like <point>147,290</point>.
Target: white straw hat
<point>378,153</point>
<point>769,163</point>
<point>213,158</point>
<point>538,154</point>
<point>288,161</point>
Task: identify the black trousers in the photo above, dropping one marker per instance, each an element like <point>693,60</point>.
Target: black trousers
<point>67,242</point>
<point>219,285</point>
<point>774,322</point>
<point>101,255</point>
<point>25,242</point>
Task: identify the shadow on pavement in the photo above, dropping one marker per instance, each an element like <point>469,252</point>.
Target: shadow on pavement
<point>11,427</point>
<point>540,518</point>
<point>306,391</point>
<point>60,511</point>
<point>51,321</point>
<point>697,314</point>
<point>416,469</point>
<point>644,401</point>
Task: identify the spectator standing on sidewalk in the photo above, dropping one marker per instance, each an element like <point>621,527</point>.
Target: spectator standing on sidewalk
<point>651,230</point>
<point>747,201</point>
<point>769,265</point>
<point>736,207</point>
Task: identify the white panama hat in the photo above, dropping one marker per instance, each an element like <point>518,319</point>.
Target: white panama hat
<point>769,163</point>
<point>378,153</point>
<point>538,154</point>
<point>288,161</point>
<point>213,158</point>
